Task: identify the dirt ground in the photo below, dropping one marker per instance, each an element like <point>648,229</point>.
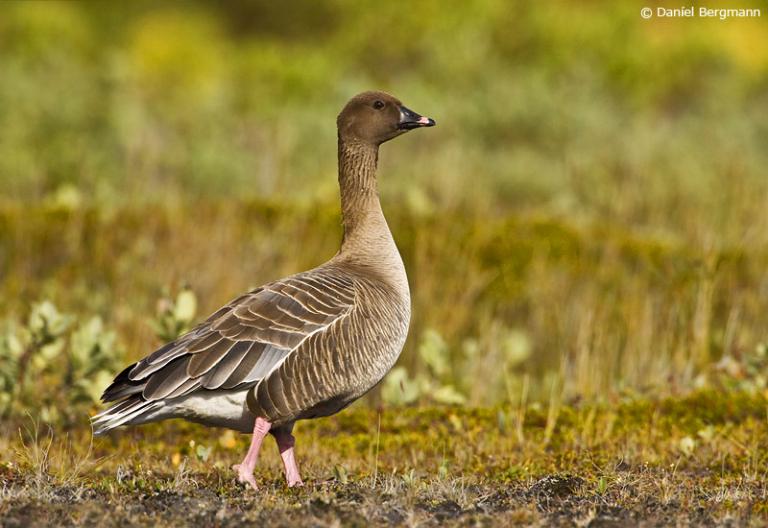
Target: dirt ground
<point>559,500</point>
<point>695,461</point>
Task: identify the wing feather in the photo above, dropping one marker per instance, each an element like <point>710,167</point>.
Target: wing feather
<point>215,378</point>
<point>160,386</point>
<point>203,362</point>
<point>205,343</point>
<point>243,342</point>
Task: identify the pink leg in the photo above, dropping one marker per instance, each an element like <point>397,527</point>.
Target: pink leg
<point>245,468</point>
<point>285,443</point>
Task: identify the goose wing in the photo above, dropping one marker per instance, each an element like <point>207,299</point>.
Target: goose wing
<point>242,342</point>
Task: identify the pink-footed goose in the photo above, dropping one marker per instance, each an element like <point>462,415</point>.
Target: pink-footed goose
<point>301,347</point>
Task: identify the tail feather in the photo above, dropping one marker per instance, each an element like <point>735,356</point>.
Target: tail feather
<point>123,386</point>
<point>123,413</point>
<point>111,411</point>
<point>130,404</point>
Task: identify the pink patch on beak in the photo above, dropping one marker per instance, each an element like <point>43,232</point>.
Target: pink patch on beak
<point>423,121</point>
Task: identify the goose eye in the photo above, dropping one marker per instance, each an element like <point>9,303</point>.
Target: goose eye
<point>378,105</point>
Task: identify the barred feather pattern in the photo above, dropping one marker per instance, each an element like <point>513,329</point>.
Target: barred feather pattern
<point>334,367</point>
<point>303,346</point>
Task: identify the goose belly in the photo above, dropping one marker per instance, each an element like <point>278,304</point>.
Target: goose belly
<point>214,408</point>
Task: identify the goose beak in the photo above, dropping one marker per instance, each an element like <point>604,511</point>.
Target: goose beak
<point>410,120</point>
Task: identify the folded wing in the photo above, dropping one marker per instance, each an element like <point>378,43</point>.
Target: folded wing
<point>241,343</point>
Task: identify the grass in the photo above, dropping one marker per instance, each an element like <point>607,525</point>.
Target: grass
<point>583,310</point>
<point>694,460</point>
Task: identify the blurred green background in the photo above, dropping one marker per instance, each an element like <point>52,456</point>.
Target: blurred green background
<point>586,220</point>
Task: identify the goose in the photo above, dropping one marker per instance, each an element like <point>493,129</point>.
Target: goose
<point>301,347</point>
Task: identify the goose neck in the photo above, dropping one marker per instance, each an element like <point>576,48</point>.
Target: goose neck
<point>367,240</point>
<point>360,206</point>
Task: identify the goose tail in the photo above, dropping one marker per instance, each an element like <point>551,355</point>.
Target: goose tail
<point>126,412</point>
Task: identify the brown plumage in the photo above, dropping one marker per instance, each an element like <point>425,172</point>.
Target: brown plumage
<point>300,347</point>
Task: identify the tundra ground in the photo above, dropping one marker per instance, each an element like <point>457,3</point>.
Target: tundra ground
<point>698,460</point>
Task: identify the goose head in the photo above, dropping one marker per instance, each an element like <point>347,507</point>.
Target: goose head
<point>375,117</point>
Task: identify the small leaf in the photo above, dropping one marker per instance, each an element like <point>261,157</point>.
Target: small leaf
<point>516,346</point>
<point>448,395</point>
<point>203,452</point>
<point>707,433</point>
<point>94,386</point>
<point>398,388</point>
<point>185,307</point>
<point>46,322</point>
<point>602,485</point>
<point>340,474</point>
<point>434,352</point>
<point>687,445</point>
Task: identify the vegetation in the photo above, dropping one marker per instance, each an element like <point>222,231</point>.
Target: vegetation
<point>699,460</point>
<point>584,234</point>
